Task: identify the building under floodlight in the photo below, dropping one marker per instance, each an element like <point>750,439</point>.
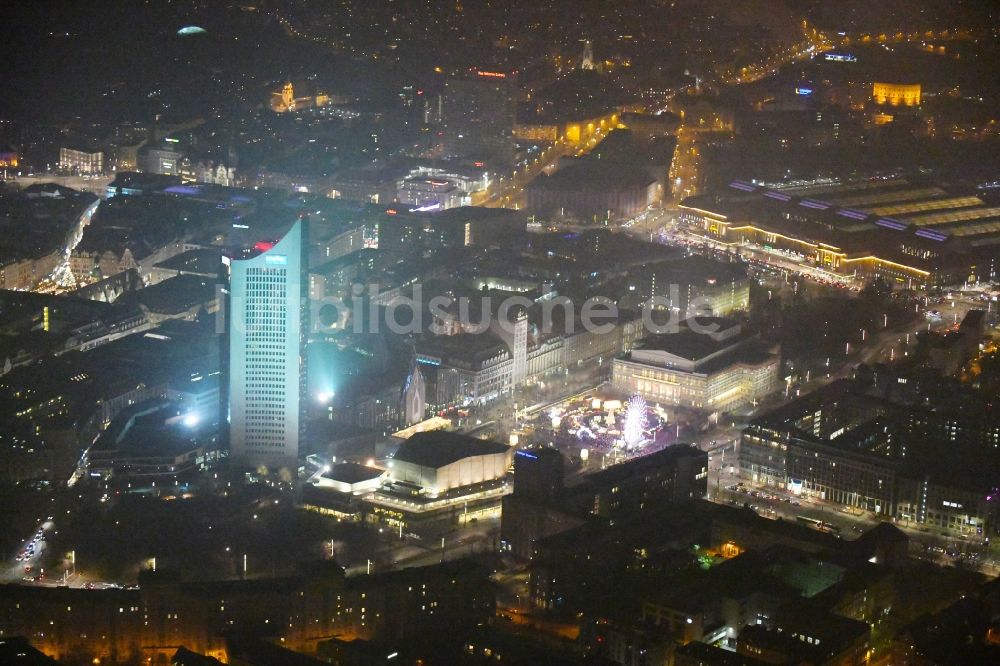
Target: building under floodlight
<point>268,323</point>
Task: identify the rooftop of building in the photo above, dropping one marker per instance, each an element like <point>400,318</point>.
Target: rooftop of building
<point>709,655</point>
<point>697,270</point>
<point>736,578</point>
<point>832,632</point>
<point>795,649</point>
<point>884,208</point>
<point>352,472</point>
<point>439,448</point>
<point>202,261</point>
<point>151,428</point>
<point>174,295</point>
<point>462,349</point>
<point>36,221</point>
<point>448,571</point>
<point>860,424</point>
<point>196,383</point>
<point>81,381</point>
<point>358,256</point>
<point>477,214</point>
<point>710,352</point>
<point>592,174</point>
<point>633,469</point>
<point>698,337</point>
<point>255,649</point>
<point>21,308</point>
<point>623,146</point>
<point>185,657</point>
<point>17,650</point>
<point>143,181</point>
<point>784,416</point>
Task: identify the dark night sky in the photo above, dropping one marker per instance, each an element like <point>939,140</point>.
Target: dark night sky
<point>102,60</point>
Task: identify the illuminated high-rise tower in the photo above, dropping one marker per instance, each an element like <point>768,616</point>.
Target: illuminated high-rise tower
<point>268,323</point>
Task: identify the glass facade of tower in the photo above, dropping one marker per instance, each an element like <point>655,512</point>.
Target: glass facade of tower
<point>267,328</point>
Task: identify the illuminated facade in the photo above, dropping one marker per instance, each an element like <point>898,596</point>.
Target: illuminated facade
<point>843,446</point>
<point>148,623</point>
<point>442,478</point>
<point>440,461</point>
<point>717,371</point>
<point>285,101</point>
<point>908,234</point>
<point>697,286</point>
<point>267,327</point>
<point>9,159</point>
<point>896,94</point>
<point>571,130</point>
<point>429,194</point>
<point>81,161</point>
<point>414,396</point>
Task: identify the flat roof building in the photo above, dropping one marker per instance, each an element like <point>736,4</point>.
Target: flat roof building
<point>933,465</point>
<point>155,439</point>
<point>911,234</point>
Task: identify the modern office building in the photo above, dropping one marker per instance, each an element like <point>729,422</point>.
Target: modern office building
<point>674,474</point>
<point>163,157</point>
<point>932,466</point>
<point>696,286</point>
<point>478,110</point>
<point>268,323</point>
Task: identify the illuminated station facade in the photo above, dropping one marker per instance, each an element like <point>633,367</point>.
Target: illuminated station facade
<point>911,234</point>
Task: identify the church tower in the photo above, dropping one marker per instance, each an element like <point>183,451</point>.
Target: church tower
<point>588,55</point>
<point>414,396</point>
